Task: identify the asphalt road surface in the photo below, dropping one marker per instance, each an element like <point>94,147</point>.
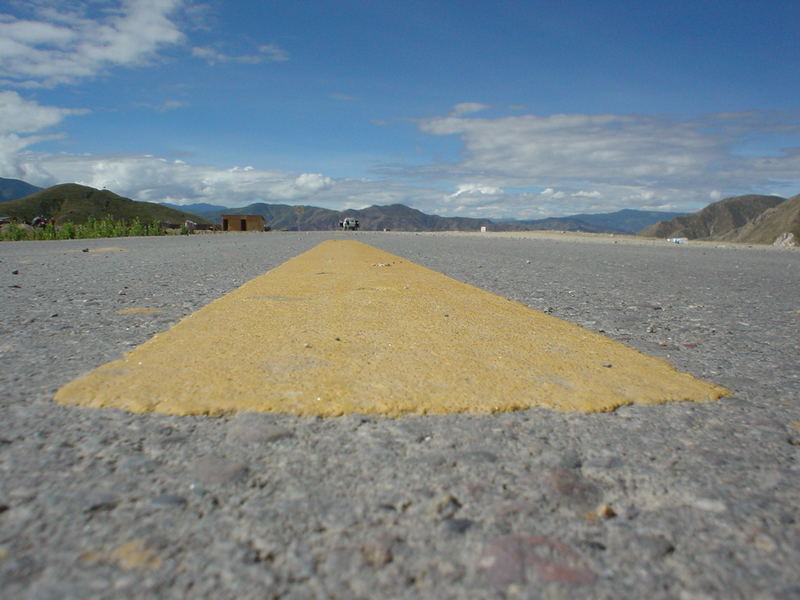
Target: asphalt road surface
<point>682,500</point>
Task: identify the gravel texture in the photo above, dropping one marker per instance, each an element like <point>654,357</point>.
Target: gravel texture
<point>687,501</point>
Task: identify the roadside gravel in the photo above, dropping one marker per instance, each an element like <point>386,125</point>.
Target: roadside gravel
<point>687,501</point>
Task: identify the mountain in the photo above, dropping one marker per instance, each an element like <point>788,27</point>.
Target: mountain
<point>76,203</point>
<point>11,189</point>
<point>401,217</point>
<point>770,225</point>
<point>626,220</point>
<point>716,219</point>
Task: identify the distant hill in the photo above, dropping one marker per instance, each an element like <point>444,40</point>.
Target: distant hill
<point>770,225</point>
<point>11,189</point>
<point>403,218</point>
<point>626,221</point>
<point>313,218</point>
<point>715,220</point>
<point>76,203</point>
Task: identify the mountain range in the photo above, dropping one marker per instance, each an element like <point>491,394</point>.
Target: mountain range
<point>753,219</point>
<point>746,219</point>
<point>403,218</point>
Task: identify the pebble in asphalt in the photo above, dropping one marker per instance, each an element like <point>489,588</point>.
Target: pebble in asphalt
<point>673,501</point>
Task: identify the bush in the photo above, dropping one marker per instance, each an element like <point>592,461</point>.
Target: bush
<point>93,228</point>
<point>12,232</point>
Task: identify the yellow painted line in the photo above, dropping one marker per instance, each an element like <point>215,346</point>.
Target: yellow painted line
<point>346,328</point>
<point>139,310</point>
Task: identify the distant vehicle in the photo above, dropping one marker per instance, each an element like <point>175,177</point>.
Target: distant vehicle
<point>349,223</point>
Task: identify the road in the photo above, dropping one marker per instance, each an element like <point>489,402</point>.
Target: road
<point>680,500</point>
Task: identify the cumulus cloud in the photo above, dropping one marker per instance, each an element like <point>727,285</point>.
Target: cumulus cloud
<point>21,122</point>
<point>658,153</point>
<point>475,189</point>
<point>551,193</point>
<point>55,47</point>
<point>154,179</point>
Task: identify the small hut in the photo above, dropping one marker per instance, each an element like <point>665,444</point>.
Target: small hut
<point>242,223</point>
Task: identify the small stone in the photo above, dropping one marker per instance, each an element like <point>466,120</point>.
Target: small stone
<point>603,511</point>
<point>653,547</point>
<point>253,429</point>
<point>168,500</point>
<point>504,560</point>
<point>379,551</point>
<point>478,456</point>
<point>101,501</point>
<point>135,555</point>
<point>15,272</point>
<point>84,249</point>
<point>444,507</point>
<point>607,365</point>
<point>459,526</point>
<point>214,470</point>
<point>572,490</point>
<point>765,543</point>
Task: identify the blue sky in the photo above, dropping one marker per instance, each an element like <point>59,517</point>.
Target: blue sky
<point>498,109</point>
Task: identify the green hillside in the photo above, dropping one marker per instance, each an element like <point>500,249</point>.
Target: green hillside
<point>75,203</point>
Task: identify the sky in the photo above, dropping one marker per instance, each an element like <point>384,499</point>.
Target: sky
<point>496,108</point>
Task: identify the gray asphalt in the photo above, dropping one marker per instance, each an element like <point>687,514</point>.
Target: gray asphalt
<point>687,501</point>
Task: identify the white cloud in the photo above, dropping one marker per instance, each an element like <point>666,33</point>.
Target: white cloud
<point>585,194</point>
<point>266,52</point>
<point>273,53</point>
<point>648,152</point>
<point>165,106</point>
<point>466,108</point>
<point>20,119</point>
<point>61,47</point>
<point>154,179</point>
<point>474,189</point>
<point>551,193</point>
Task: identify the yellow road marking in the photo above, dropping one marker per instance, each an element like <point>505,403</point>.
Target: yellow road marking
<point>346,328</point>
<point>139,310</point>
